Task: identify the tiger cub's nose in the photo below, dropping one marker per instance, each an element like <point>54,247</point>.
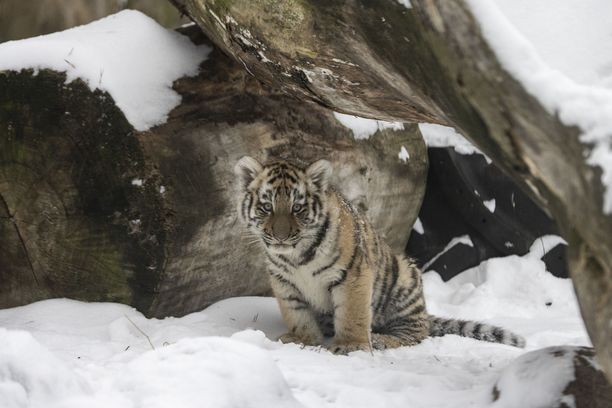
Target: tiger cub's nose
<point>281,227</point>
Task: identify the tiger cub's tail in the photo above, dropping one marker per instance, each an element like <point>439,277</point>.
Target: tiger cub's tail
<point>439,326</point>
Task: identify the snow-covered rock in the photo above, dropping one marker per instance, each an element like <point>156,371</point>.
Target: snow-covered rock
<point>559,376</point>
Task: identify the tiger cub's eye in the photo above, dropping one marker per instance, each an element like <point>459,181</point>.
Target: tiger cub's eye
<point>267,207</point>
<point>297,208</point>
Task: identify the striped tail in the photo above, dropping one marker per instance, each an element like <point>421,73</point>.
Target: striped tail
<point>439,326</point>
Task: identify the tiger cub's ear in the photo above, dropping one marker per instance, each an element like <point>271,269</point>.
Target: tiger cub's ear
<point>247,168</point>
<point>319,172</point>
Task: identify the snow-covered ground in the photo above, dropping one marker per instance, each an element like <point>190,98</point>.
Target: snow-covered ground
<point>64,353</point>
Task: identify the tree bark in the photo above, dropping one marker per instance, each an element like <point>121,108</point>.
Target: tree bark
<point>429,64</point>
<point>92,210</point>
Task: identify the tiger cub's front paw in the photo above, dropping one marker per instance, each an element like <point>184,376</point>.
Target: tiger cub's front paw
<point>291,337</point>
<point>345,348</point>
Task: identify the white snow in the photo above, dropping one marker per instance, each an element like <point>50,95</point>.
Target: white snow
<point>403,154</point>
<point>434,135</point>
<point>73,354</point>
<point>522,271</point>
<point>363,128</point>
<point>418,226</point>
<point>463,239</point>
<point>405,3</point>
<point>444,136</point>
<point>571,39</point>
<point>561,51</point>
<point>543,245</point>
<point>127,54</point>
<point>541,375</point>
<point>137,182</point>
<point>490,204</point>
<point>64,353</point>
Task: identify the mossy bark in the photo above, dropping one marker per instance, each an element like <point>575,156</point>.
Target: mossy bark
<point>91,209</point>
<point>429,63</point>
<point>67,158</point>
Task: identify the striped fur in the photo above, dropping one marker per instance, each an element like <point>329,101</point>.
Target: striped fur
<point>330,271</point>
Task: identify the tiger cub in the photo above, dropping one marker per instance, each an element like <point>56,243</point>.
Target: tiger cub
<point>331,273</point>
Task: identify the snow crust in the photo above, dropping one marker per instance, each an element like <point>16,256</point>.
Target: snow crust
<point>405,3</point>
<point>403,154</point>
<point>64,353</point>
<point>434,135</point>
<point>444,136</point>
<point>363,128</point>
<point>561,52</point>
<point>490,204</point>
<point>543,245</point>
<point>126,54</point>
<point>418,226</point>
<point>463,239</point>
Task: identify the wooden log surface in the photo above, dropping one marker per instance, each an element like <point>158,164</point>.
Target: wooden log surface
<point>93,210</point>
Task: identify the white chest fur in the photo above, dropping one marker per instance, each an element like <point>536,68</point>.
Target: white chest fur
<point>313,288</point>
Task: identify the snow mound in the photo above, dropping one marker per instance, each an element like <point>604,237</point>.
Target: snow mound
<point>561,52</point>
<point>126,54</point>
<point>64,353</point>
<point>225,373</point>
<point>519,287</point>
<point>31,376</point>
<point>480,292</point>
<point>221,373</point>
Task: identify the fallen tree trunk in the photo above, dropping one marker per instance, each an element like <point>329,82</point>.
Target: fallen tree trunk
<point>91,209</point>
<point>429,64</point>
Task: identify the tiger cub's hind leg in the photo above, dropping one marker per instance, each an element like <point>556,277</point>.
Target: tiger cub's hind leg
<point>406,331</point>
<point>402,316</point>
<point>382,341</point>
<point>399,338</point>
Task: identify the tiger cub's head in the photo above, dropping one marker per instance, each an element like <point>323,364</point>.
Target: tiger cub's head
<point>282,203</point>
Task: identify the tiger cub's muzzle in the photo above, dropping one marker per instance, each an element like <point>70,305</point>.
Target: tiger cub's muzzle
<point>283,229</point>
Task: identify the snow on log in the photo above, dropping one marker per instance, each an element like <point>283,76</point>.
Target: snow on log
<point>113,55</point>
<point>446,62</point>
<point>98,204</point>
